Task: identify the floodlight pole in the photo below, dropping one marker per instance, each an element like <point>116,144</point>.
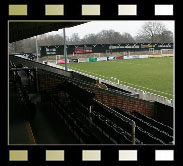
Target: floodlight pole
<point>37,49</point>
<point>65,50</point>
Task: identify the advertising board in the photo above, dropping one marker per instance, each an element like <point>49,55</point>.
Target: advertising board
<point>102,59</point>
<point>111,58</point>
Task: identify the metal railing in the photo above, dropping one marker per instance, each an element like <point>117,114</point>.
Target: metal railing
<point>131,122</point>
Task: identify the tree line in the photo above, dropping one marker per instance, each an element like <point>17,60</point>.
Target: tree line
<point>150,32</point>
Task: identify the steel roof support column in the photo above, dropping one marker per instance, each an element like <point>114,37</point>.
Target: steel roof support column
<point>65,49</point>
<point>37,49</point>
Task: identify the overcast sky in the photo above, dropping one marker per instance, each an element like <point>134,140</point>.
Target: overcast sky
<point>131,27</point>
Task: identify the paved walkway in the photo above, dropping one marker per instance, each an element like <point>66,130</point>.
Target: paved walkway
<point>48,127</point>
<point>18,133</point>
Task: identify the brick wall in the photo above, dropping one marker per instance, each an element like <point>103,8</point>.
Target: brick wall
<point>48,84</point>
<point>126,103</point>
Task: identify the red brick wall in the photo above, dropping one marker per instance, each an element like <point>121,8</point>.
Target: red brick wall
<point>125,103</point>
<point>48,84</point>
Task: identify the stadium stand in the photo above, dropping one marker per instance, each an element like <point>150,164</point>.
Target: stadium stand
<point>94,115</point>
<point>151,128</point>
<point>154,123</point>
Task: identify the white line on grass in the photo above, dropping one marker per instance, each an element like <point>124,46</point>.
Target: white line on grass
<point>109,79</point>
<point>148,88</point>
<point>130,63</point>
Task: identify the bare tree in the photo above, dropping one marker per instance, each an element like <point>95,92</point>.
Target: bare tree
<point>166,37</point>
<point>16,47</point>
<point>12,47</point>
<point>74,39</point>
<point>90,39</point>
<point>151,30</point>
<point>127,38</point>
<point>109,37</point>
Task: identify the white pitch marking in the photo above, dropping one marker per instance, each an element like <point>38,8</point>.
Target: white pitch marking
<point>147,88</point>
<point>128,83</point>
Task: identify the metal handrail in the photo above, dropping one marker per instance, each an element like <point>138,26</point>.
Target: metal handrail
<point>131,122</point>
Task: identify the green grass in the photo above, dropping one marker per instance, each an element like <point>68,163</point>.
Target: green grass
<point>153,75</point>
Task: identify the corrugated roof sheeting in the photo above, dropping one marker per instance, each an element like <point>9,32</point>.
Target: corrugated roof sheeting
<point>23,30</point>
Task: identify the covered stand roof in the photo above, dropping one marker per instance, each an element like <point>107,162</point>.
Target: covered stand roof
<point>19,30</point>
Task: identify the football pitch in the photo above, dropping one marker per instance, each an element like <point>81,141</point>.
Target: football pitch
<point>154,75</point>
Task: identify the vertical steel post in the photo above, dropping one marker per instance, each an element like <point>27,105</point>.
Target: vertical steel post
<point>37,49</point>
<point>133,132</point>
<point>37,81</point>
<point>65,49</point>
<point>90,112</point>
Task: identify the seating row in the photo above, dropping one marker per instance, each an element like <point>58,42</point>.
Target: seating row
<point>155,123</point>
<point>153,130</point>
<point>142,132</point>
<point>114,132</point>
<point>75,122</point>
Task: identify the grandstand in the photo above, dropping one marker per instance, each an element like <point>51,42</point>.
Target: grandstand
<point>122,48</point>
<point>67,107</point>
